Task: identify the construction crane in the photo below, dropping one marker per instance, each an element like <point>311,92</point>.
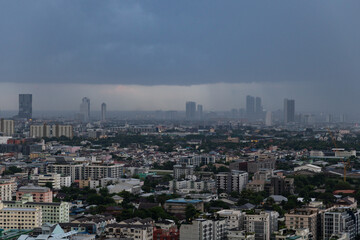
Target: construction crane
<point>345,163</point>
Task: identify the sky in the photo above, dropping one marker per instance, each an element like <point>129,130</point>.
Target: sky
<point>150,55</point>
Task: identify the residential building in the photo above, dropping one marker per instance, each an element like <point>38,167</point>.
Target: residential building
<point>298,234</point>
<point>56,212</point>
<point>197,160</point>
<point>40,194</point>
<point>84,172</point>
<point>258,164</point>
<point>339,221</point>
<point>202,229</point>
<point>234,218</point>
<point>19,217</point>
<point>53,178</point>
<point>303,218</point>
<point>65,181</point>
<point>232,181</point>
<point>187,186</point>
<point>239,234</point>
<point>49,131</point>
<point>183,171</point>
<point>166,230</point>
<point>7,127</point>
<point>135,228</point>
<point>258,223</point>
<point>6,191</point>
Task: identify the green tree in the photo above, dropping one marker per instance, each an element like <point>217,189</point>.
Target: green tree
<point>190,212</point>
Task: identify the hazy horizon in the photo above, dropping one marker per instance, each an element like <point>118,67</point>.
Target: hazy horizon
<point>137,55</point>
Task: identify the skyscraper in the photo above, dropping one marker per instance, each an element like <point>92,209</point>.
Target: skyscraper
<point>289,110</point>
<point>268,118</point>
<point>200,111</point>
<point>85,109</point>
<point>258,106</point>
<point>103,112</point>
<point>190,110</point>
<point>25,106</point>
<point>250,106</point>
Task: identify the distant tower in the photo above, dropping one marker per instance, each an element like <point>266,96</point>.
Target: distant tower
<point>250,106</point>
<point>25,106</point>
<point>85,109</point>
<point>200,111</point>
<point>268,119</point>
<point>289,110</point>
<point>103,112</point>
<point>190,110</point>
<point>258,106</point>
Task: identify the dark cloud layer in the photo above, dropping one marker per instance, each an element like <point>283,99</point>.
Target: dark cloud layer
<point>179,42</point>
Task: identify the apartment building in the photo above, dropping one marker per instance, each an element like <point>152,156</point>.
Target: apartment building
<point>303,218</point>
<point>40,194</point>
<point>258,223</point>
<point>135,228</point>
<point>183,171</point>
<point>52,178</point>
<point>232,181</point>
<point>339,221</point>
<point>41,131</point>
<point>19,218</point>
<point>204,229</point>
<point>56,212</point>
<point>234,218</point>
<point>187,186</point>
<point>6,191</point>
<point>84,171</point>
<point>7,127</point>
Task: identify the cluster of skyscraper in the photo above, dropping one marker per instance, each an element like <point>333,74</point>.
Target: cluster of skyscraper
<point>85,110</point>
<point>254,109</point>
<point>192,113</point>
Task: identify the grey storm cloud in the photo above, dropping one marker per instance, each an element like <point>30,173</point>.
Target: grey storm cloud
<point>179,42</point>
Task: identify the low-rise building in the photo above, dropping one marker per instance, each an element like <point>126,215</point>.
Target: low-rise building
<point>40,194</point>
<point>178,206</point>
<point>56,212</point>
<point>136,228</point>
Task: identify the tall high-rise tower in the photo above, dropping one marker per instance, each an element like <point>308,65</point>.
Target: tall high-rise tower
<point>258,106</point>
<point>190,110</point>
<point>25,106</point>
<point>85,109</point>
<point>250,106</point>
<point>200,111</point>
<point>289,110</point>
<point>103,112</point>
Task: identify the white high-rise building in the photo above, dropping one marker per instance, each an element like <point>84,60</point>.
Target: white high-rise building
<point>103,112</point>
<point>85,109</point>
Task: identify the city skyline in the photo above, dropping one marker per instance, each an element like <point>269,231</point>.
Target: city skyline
<point>309,60</point>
